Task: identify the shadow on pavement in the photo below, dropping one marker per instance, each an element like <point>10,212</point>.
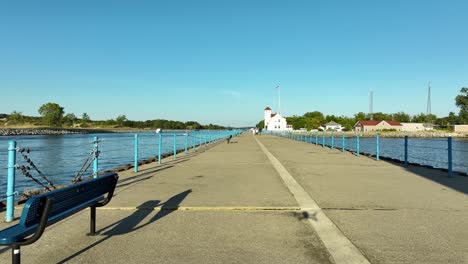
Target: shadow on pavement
<point>457,182</point>
<point>131,222</point>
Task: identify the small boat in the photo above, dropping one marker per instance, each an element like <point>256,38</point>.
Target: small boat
<point>158,130</point>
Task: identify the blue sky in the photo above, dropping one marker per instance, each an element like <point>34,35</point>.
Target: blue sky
<point>220,61</point>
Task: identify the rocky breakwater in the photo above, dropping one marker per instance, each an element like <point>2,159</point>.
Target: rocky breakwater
<point>417,134</point>
<point>392,134</point>
<point>39,131</point>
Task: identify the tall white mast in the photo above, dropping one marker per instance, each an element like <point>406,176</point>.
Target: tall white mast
<point>279,99</point>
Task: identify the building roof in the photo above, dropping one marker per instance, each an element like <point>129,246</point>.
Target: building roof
<point>368,122</point>
<point>273,115</point>
<point>393,123</point>
<point>267,109</point>
<point>428,125</point>
<point>332,123</point>
<point>376,122</point>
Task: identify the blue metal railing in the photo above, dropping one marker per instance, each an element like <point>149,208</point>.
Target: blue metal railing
<point>115,149</point>
<point>437,153</point>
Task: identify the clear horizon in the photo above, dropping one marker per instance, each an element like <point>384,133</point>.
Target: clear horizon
<point>219,63</point>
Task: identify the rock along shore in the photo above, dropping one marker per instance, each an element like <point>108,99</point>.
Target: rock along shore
<point>47,131</point>
<point>394,134</point>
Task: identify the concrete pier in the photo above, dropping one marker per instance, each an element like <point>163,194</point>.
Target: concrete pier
<point>264,199</point>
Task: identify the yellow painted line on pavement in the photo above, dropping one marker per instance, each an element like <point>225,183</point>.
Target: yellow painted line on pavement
<point>202,208</point>
<point>337,244</point>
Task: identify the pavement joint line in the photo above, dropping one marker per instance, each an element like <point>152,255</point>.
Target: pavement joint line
<point>202,208</point>
<point>341,249</point>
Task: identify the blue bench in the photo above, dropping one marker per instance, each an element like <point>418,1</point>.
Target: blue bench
<point>46,209</point>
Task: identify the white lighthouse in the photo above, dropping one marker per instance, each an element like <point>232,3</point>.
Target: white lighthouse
<point>275,122</point>
<point>267,116</point>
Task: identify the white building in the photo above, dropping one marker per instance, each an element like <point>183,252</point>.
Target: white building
<point>332,125</point>
<point>275,122</point>
<point>413,127</point>
<point>461,128</point>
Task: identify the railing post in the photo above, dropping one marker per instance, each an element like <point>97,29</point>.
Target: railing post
<point>323,139</point>
<point>449,151</point>
<point>333,140</point>
<point>96,160</point>
<point>175,145</point>
<point>204,137</point>
<point>342,142</point>
<point>186,142</point>
<point>135,162</point>
<point>357,145</point>
<point>201,141</point>
<point>11,182</point>
<point>377,148</point>
<point>406,151</point>
<point>193,140</point>
<point>316,138</point>
<point>159,147</point>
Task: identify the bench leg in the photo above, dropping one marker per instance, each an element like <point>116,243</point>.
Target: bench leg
<point>16,254</point>
<point>92,222</point>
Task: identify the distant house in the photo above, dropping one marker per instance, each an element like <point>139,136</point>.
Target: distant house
<point>414,127</point>
<point>375,125</point>
<point>332,125</point>
<point>275,122</point>
<point>461,128</point>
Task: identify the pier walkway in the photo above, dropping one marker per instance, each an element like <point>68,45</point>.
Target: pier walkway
<point>265,199</point>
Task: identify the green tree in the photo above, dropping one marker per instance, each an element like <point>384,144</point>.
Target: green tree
<point>423,118</point>
<point>462,102</point>
<point>402,117</point>
<point>261,124</point>
<point>121,119</point>
<point>52,114</point>
<point>360,116</point>
<point>192,125</point>
<point>380,116</point>
<point>316,114</point>
<point>69,119</point>
<point>16,118</point>
<point>297,121</point>
<point>452,119</point>
<point>313,123</point>
<point>85,118</point>
<point>110,122</point>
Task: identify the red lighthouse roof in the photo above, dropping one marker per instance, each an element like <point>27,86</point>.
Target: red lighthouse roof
<point>268,109</point>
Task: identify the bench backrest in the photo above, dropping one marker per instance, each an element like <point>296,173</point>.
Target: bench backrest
<point>68,199</point>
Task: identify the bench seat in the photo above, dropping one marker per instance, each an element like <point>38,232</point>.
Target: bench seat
<point>19,232</point>
<point>49,208</point>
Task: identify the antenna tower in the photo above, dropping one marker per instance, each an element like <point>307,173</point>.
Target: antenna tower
<point>428,111</point>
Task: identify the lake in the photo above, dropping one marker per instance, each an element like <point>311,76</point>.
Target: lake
<point>60,157</point>
<point>424,151</point>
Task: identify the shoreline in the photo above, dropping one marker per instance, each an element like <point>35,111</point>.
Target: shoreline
<point>49,131</point>
<point>391,134</point>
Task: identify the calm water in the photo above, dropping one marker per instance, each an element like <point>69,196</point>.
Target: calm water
<point>433,151</point>
<point>60,157</point>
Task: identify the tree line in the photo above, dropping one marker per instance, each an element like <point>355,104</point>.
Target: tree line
<point>53,115</point>
<point>312,120</point>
